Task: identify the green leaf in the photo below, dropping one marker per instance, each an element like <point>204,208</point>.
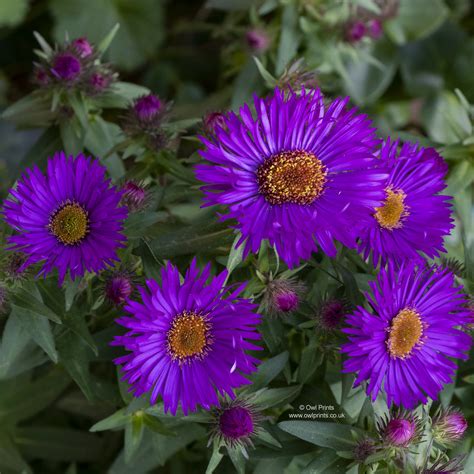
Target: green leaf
<point>327,435</point>
<point>26,299</point>
<point>325,462</point>
<point>270,81</point>
<point>268,370</point>
<point>246,83</point>
<point>75,321</point>
<point>119,419</point>
<point>215,460</point>
<point>10,458</point>
<point>104,45</point>
<point>141,26</point>
<point>235,255</point>
<point>289,37</point>
<point>28,399</point>
<point>32,110</point>
<point>39,330</point>
<point>416,19</point>
<point>121,95</point>
<point>133,435</point>
<point>101,137</point>
<point>59,444</point>
<point>154,424</point>
<point>12,12</point>
<point>310,360</point>
<point>271,397</point>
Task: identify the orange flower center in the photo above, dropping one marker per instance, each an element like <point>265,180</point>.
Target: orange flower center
<point>405,332</point>
<point>69,224</point>
<point>294,177</point>
<point>390,214</point>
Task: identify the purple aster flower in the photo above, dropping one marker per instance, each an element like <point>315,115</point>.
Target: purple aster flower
<point>66,67</point>
<point>400,430</point>
<point>188,339</point>
<point>147,107</point>
<point>407,343</point>
<point>83,47</point>
<point>449,426</point>
<point>68,218</point>
<point>235,423</point>
<point>298,174</point>
<point>257,40</point>
<point>414,218</point>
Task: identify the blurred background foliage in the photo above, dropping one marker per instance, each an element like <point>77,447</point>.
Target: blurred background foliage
<point>409,64</point>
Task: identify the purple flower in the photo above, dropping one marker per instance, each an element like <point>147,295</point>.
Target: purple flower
<point>235,423</point>
<point>212,121</point>
<point>66,67</point>
<point>449,426</point>
<point>283,295</point>
<point>375,28</point>
<point>414,218</point>
<point>407,343</point>
<point>69,218</point>
<point>257,40</point>
<point>332,313</point>
<point>119,286</point>
<point>298,174</point>
<point>355,31</point>
<point>188,339</point>
<point>147,107</point>
<point>400,430</point>
<point>83,47</point>
<point>134,196</point>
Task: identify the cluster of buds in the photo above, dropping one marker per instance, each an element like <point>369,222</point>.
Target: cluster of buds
<point>73,65</point>
<point>144,119</point>
<point>366,24</point>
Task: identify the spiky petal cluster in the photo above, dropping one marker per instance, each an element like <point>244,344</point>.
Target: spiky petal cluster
<point>187,339</point>
<point>68,218</point>
<point>299,174</point>
<point>406,344</point>
<point>449,426</point>
<point>414,218</point>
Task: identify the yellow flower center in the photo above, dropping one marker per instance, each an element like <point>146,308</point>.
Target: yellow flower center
<point>69,224</point>
<point>393,210</point>
<point>189,336</point>
<point>405,332</point>
<point>294,177</point>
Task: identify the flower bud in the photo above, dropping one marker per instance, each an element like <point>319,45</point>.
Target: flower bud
<point>400,432</point>
<point>375,28</point>
<point>213,120</point>
<point>147,107</point>
<point>363,449</point>
<point>332,313</point>
<point>119,287</point>
<point>283,296</point>
<point>66,67</point>
<point>83,47</point>
<point>257,40</point>
<point>449,426</point>
<point>355,31</point>
<point>135,196</point>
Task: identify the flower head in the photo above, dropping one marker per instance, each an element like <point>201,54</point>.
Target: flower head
<point>400,430</point>
<point>83,47</point>
<point>299,174</point>
<point>407,343</point>
<point>332,313</point>
<point>68,218</point>
<point>449,426</point>
<point>66,66</point>
<point>134,195</point>
<point>119,286</point>
<point>414,217</point>
<point>283,295</point>
<point>257,40</point>
<point>147,107</point>
<point>188,339</point>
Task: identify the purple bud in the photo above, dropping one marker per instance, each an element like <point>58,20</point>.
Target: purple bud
<point>147,107</point>
<point>363,449</point>
<point>236,422</point>
<point>66,66</point>
<point>332,313</point>
<point>99,82</point>
<point>118,288</point>
<point>355,32</point>
<point>257,40</point>
<point>287,301</point>
<point>83,47</point>
<point>213,120</point>
<point>135,196</point>
<point>400,432</point>
<point>449,426</point>
<point>375,28</point>
<point>41,77</point>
